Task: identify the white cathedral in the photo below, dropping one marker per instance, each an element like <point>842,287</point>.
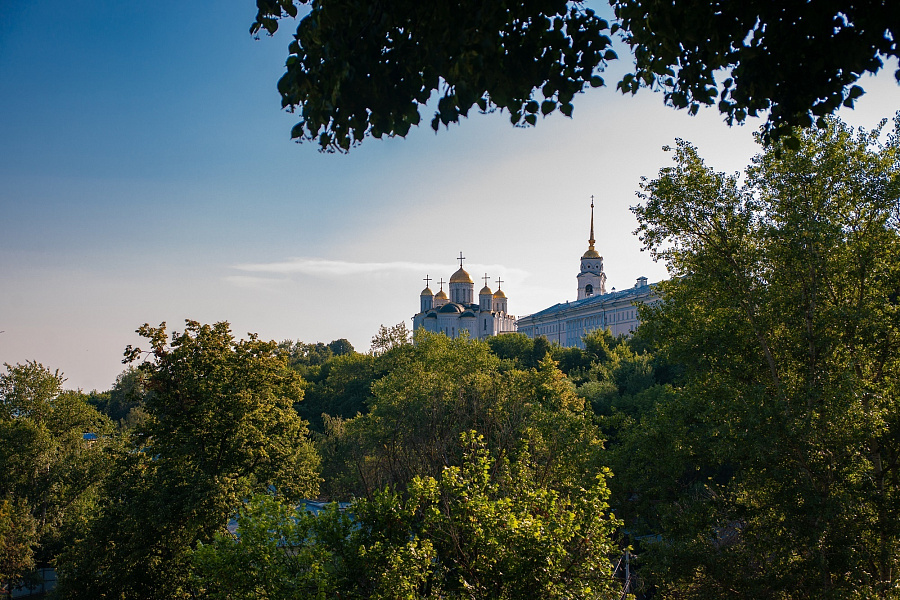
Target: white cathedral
<point>567,322</point>
<point>459,312</point>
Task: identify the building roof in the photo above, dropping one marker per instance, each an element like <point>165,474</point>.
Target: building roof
<point>598,300</point>
<point>426,292</point>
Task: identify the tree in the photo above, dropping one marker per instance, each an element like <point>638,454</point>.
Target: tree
<point>388,338</point>
<point>18,538</point>
<point>124,402</point>
<point>772,469</point>
<point>306,359</point>
<point>479,530</point>
<point>343,388</point>
<point>444,387</point>
<point>341,347</point>
<point>50,473</point>
<point>357,69</point>
<point>797,60</point>
<point>221,426</point>
<point>271,555</point>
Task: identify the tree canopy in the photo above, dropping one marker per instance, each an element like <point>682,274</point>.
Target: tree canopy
<point>220,426</point>
<point>358,69</point>
<point>478,530</point>
<point>438,389</point>
<point>49,473</point>
<point>771,469</point>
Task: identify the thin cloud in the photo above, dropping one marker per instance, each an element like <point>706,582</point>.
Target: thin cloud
<point>321,267</point>
<point>255,283</point>
<point>331,268</point>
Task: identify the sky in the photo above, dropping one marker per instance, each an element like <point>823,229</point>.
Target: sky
<point>147,175</point>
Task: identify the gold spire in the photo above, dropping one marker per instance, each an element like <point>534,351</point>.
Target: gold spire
<point>591,252</point>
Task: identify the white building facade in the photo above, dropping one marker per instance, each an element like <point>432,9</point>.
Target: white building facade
<point>567,323</point>
<point>460,312</point>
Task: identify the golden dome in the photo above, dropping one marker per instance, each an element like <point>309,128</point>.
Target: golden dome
<point>441,294</point>
<point>427,292</point>
<point>461,276</point>
<point>591,253</point>
<point>499,294</point>
<point>485,291</point>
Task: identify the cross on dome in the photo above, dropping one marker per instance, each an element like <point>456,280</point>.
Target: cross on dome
<point>461,259</point>
<point>427,280</point>
<point>485,279</point>
<point>499,281</point>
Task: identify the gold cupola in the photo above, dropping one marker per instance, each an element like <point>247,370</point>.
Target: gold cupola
<point>461,276</point>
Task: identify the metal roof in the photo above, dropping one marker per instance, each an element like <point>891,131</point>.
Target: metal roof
<point>600,300</point>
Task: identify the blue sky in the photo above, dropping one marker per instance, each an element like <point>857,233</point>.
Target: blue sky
<point>147,175</point>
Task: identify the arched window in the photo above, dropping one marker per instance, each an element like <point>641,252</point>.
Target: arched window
<point>589,290</point>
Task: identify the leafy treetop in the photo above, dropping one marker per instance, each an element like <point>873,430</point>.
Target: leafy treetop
<point>364,68</point>
<point>798,60</point>
<point>360,68</point>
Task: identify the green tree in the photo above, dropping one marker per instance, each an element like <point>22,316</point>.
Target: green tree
<point>355,69</point>
<point>271,556</point>
<point>341,347</point>
<point>18,539</point>
<point>523,352</point>
<point>439,388</point>
<point>774,465</point>
<point>221,426</point>
<point>479,530</point>
<point>796,60</point>
<point>343,388</point>
<point>124,402</point>
<point>388,338</point>
<point>360,70</point>
<point>517,348</point>
<point>50,473</point>
<point>304,358</point>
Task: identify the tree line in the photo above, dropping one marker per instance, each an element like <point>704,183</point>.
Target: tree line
<point>743,443</point>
